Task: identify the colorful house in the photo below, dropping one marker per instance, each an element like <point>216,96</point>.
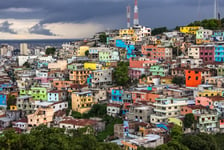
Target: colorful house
<point>41,116</point>
<point>210,102</point>
<point>203,36</point>
<point>218,36</point>
<point>128,47</point>
<point>148,96</point>
<point>141,62</point>
<point>75,66</point>
<point>116,96</point>
<point>38,93</point>
<point>190,29</point>
<point>61,84</point>
<point>193,77</point>
<point>81,50</point>
<point>82,101</point>
<point>159,70</point>
<point>175,121</point>
<point>154,51</point>
<point>56,96</point>
<point>207,53</point>
<point>79,76</point>
<point>219,53</point>
<point>3,100</point>
<point>92,66</point>
<point>109,55</point>
<point>60,64</point>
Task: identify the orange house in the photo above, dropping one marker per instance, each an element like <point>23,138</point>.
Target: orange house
<point>60,84</point>
<point>193,78</point>
<point>143,95</point>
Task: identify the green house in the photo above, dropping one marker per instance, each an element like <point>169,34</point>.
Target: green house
<point>158,70</point>
<point>38,93</point>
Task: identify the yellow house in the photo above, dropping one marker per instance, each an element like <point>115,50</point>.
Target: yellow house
<point>81,50</point>
<point>92,66</point>
<point>13,107</point>
<point>82,101</point>
<point>190,29</point>
<point>166,80</point>
<point>206,93</point>
<point>123,32</point>
<point>175,121</point>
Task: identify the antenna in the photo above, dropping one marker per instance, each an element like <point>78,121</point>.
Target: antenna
<point>136,19</point>
<point>128,16</point>
<point>215,9</point>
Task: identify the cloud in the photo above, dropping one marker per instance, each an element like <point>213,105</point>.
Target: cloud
<point>18,10</point>
<point>5,27</point>
<point>40,29</point>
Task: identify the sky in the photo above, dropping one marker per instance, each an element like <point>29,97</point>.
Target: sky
<point>69,19</point>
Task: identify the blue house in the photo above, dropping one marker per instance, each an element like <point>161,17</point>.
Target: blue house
<point>3,100</point>
<point>218,36</point>
<point>5,86</point>
<point>116,96</point>
<point>219,53</point>
<point>89,80</point>
<point>129,48</point>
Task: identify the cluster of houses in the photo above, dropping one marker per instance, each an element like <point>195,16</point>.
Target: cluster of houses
<point>38,89</point>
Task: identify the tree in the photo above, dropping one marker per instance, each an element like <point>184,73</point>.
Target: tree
<point>176,133</point>
<point>98,110</point>
<point>103,37</point>
<point>26,64</point>
<point>212,24</point>
<point>50,51</point>
<point>188,120</point>
<point>178,80</point>
<point>195,142</point>
<point>160,30</point>
<point>11,101</point>
<point>87,53</point>
<point>120,74</point>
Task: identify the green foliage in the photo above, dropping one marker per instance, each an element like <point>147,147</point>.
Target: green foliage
<point>199,142</point>
<point>212,24</point>
<point>98,110</point>
<point>11,101</point>
<point>188,120</point>
<point>176,132</point>
<point>50,51</point>
<point>120,74</point>
<point>178,80</point>
<point>160,30</point>
<point>26,64</point>
<point>41,138</point>
<point>109,129</point>
<point>103,37</point>
<point>87,53</point>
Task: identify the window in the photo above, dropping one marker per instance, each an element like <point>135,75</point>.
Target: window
<point>198,101</point>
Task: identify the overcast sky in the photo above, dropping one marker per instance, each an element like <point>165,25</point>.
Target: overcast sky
<point>36,19</point>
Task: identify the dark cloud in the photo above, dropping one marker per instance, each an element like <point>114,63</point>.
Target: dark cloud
<point>39,29</point>
<point>111,13</point>
<point>5,27</point>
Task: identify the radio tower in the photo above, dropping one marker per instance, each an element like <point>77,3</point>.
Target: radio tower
<point>136,20</point>
<point>215,9</point>
<point>128,16</point>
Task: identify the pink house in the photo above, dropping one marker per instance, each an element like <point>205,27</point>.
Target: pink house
<point>154,51</point>
<point>210,102</point>
<point>60,64</point>
<point>141,62</point>
<point>134,74</point>
<point>41,116</point>
<point>148,96</point>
